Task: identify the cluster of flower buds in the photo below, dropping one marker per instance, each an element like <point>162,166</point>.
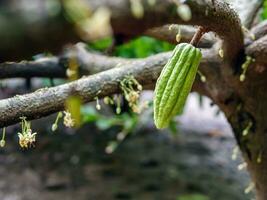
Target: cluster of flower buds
<point>131,90</point>
<point>245,66</point>
<point>68,120</point>
<point>26,137</point>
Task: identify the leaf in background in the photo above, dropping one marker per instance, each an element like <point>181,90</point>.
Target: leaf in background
<point>129,122</point>
<point>193,197</point>
<point>264,10</point>
<point>76,10</point>
<point>173,127</point>
<point>102,44</point>
<point>142,47</point>
<point>89,114</point>
<point>104,123</point>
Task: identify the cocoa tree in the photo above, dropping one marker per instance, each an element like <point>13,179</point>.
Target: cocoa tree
<point>244,54</point>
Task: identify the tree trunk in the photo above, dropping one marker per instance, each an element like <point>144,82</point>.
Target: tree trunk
<point>250,128</point>
<point>257,165</point>
<point>258,173</point>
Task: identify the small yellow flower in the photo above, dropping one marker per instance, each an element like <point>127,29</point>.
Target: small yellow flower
<point>68,121</point>
<point>136,109</point>
<point>55,124</point>
<point>27,138</point>
<point>2,143</point>
<point>131,89</point>
<point>133,96</point>
<point>54,127</point>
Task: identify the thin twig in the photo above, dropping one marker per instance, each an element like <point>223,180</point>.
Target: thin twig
<point>197,36</point>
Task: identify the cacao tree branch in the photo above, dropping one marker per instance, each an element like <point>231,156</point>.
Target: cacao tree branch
<point>219,18</point>
<point>49,100</point>
<point>169,32</point>
<point>48,67</point>
<point>247,10</point>
<point>258,31</point>
<point>258,50</point>
<point>55,67</point>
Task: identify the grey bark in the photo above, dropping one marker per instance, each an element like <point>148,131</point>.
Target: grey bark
<point>49,100</point>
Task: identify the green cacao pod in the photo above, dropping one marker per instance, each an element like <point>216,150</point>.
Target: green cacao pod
<point>175,83</point>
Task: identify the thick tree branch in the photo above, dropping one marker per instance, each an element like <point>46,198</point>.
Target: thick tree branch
<point>247,10</point>
<point>219,18</point>
<point>47,101</point>
<point>55,67</point>
<point>48,67</point>
<point>260,29</point>
<point>89,63</point>
<point>258,50</point>
<point>168,33</point>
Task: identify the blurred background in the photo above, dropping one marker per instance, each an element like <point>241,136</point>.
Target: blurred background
<point>113,155</point>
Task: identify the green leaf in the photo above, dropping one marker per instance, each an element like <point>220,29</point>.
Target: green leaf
<point>89,114</point>
<point>173,127</point>
<point>264,10</point>
<point>142,47</point>
<point>104,124</point>
<point>193,197</point>
<point>101,44</point>
<point>129,121</point>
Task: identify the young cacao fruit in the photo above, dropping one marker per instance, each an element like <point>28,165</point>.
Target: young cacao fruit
<point>175,83</point>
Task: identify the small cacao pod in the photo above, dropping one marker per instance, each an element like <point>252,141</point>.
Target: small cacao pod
<point>174,83</point>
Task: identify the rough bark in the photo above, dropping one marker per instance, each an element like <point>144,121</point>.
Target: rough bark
<point>167,33</point>
<point>250,107</point>
<point>258,50</point>
<point>260,29</point>
<point>247,10</point>
<point>89,63</point>
<point>49,100</point>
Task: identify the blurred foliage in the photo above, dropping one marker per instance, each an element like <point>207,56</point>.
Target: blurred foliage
<point>137,48</point>
<point>142,47</point>
<point>173,127</point>
<point>126,121</point>
<point>264,11</point>
<point>193,197</point>
<point>101,45</point>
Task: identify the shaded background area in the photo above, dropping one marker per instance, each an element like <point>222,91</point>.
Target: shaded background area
<point>194,164</point>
